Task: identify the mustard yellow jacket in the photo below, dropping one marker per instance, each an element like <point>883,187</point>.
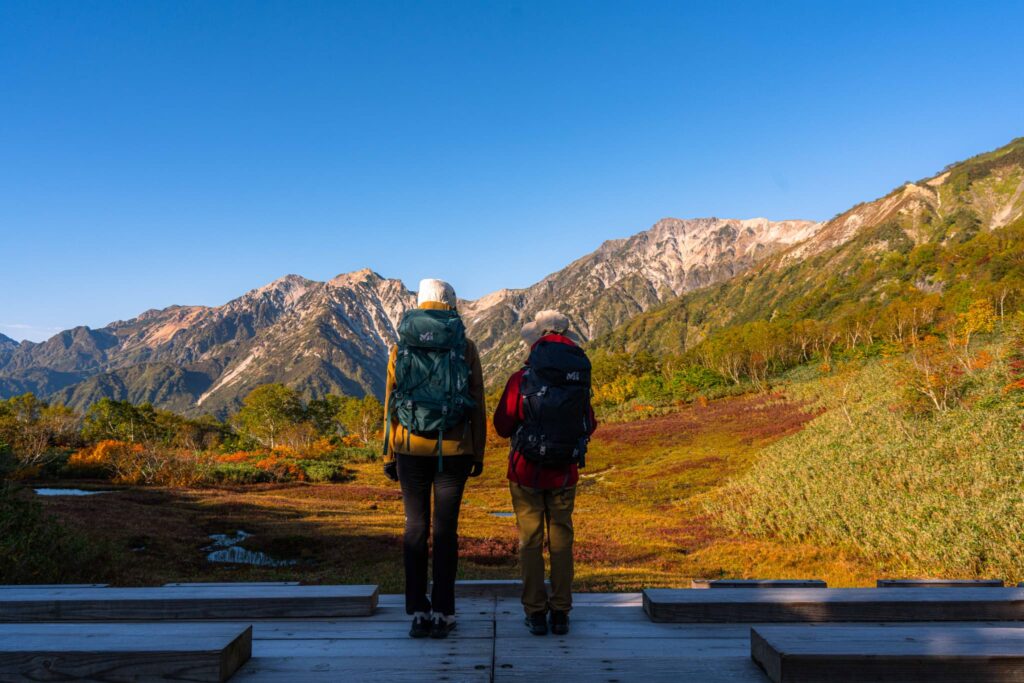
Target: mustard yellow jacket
<point>467,438</point>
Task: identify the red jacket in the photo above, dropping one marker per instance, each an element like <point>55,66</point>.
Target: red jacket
<point>507,417</point>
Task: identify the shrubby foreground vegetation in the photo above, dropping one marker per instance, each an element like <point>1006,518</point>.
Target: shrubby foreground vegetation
<point>276,436</point>
<point>939,493</point>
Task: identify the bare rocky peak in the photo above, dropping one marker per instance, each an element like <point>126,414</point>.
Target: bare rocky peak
<point>672,257</point>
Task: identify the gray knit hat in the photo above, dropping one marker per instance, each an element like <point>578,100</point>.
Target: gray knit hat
<point>543,323</point>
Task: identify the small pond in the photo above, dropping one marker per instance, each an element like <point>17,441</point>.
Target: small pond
<point>225,548</point>
<point>67,492</point>
<point>502,514</point>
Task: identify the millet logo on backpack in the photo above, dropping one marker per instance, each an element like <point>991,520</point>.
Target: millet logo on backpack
<point>426,336</point>
<point>573,376</point>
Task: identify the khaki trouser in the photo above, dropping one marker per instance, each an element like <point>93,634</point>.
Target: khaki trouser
<point>536,509</point>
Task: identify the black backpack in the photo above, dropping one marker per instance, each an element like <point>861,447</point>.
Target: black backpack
<point>555,389</point>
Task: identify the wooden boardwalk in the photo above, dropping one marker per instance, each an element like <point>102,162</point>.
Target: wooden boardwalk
<point>612,641</point>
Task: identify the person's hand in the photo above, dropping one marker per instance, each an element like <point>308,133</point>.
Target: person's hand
<point>478,468</point>
<point>391,470</point>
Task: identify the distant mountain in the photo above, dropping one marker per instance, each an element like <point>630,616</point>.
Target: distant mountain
<point>319,337</point>
<point>334,336</point>
<point>875,250</point>
<point>7,347</point>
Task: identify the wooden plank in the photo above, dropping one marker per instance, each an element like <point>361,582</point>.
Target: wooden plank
<point>489,588</point>
<point>611,627</point>
<point>939,583</point>
<point>396,658</point>
<point>833,604</point>
<point>614,669</point>
<point>758,583</point>
<point>51,586</point>
<point>374,669</point>
<point>123,652</point>
<point>626,599</point>
<point>229,584</point>
<point>936,654</point>
<point>398,646</point>
<point>197,602</point>
<point>524,646</point>
<point>358,629</point>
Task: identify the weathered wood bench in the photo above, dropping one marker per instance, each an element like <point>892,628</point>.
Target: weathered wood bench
<point>231,584</point>
<point>889,654</point>
<point>123,652</point>
<point>940,583</point>
<point>758,583</point>
<point>24,586</point>
<point>197,602</point>
<point>737,605</point>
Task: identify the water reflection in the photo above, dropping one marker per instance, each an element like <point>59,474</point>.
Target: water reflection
<point>67,492</point>
<point>225,548</point>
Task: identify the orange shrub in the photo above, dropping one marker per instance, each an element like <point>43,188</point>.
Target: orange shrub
<point>239,456</point>
<point>102,457</point>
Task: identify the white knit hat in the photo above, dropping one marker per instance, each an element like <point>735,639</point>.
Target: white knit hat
<point>437,291</point>
<point>544,321</point>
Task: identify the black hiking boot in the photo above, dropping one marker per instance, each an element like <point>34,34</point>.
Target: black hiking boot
<point>537,623</point>
<point>559,622</point>
<point>441,626</point>
<point>420,626</point>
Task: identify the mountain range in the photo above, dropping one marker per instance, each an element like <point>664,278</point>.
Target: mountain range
<point>658,290</point>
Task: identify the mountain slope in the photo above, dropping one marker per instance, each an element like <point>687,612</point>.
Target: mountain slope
<point>891,247</point>
<point>625,277</point>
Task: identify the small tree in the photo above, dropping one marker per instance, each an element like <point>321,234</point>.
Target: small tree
<point>268,411</point>
<point>362,417</point>
<point>120,421</point>
<point>979,318</point>
<point>934,374</point>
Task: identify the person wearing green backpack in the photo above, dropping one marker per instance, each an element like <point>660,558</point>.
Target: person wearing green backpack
<point>434,435</point>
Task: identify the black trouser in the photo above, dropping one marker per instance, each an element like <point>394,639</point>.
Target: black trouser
<point>418,474</point>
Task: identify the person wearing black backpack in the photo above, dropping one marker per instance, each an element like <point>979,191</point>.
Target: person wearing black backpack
<point>545,410</point>
<point>434,436</point>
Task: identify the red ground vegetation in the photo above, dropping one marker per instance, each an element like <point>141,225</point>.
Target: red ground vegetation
<point>757,418</point>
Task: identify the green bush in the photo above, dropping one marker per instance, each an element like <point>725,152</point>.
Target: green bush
<point>240,473</point>
<point>358,454</point>
<point>37,548</point>
<point>695,378</point>
<point>321,471</point>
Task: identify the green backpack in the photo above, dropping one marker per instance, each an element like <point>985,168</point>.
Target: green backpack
<point>431,392</point>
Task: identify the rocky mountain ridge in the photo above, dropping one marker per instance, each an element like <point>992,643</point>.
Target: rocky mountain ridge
<point>334,336</point>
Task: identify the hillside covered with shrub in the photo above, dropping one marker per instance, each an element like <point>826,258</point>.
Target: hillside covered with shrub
<point>942,257</point>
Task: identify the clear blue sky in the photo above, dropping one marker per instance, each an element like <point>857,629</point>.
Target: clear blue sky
<point>154,153</point>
